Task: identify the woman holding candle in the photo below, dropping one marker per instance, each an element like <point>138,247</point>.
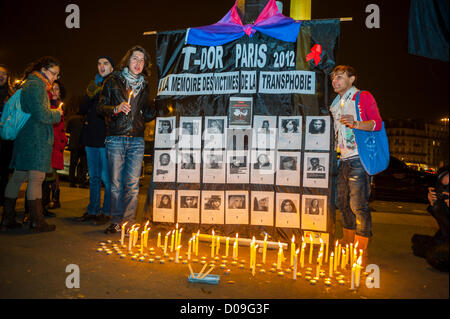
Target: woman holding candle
<point>125,131</point>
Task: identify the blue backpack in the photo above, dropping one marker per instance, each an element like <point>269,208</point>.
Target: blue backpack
<point>13,118</point>
<point>373,146</point>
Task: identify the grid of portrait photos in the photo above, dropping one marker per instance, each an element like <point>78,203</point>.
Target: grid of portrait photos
<point>278,152</point>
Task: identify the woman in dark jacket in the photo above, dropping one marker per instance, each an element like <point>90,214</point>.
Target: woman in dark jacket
<point>125,104</point>
<point>33,146</point>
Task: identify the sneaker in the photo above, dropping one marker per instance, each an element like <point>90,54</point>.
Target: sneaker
<point>112,229</point>
<point>85,217</point>
<point>101,219</point>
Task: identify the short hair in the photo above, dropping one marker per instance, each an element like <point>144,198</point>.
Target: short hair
<point>62,89</point>
<point>344,68</point>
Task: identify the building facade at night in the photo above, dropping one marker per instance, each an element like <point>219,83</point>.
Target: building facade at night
<point>422,145</point>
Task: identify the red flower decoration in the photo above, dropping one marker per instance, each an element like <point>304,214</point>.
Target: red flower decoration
<point>316,50</point>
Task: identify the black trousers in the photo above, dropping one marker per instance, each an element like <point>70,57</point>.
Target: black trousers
<point>78,166</point>
<point>6,149</point>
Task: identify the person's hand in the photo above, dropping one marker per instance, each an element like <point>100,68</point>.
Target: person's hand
<point>432,195</point>
<point>445,200</point>
<point>347,120</point>
<point>60,110</point>
<point>123,107</point>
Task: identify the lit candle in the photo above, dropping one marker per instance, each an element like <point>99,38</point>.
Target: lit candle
<point>264,249</point>
<point>227,244</point>
<point>350,254</point>
<point>280,256</point>
<point>295,265</point>
<point>130,237</point>
<point>146,224</point>
<point>321,245</point>
<point>236,246</point>
<point>331,265</point>
<point>172,241</point>
<point>255,247</point>
<point>292,250</point>
<point>196,245</point>
<point>326,250</point>
<point>189,249</point>
<point>318,267</point>
<point>347,255</point>
<point>166,238</point>
<point>310,248</point>
<point>177,254</point>
<point>217,245</point>
<point>176,235</point>
<point>129,96</point>
<point>142,241</point>
<point>358,270</point>
<point>336,260</point>
<point>355,253</point>
<point>158,242</point>
<point>135,236</point>
<point>212,244</point>
<point>252,244</point>
<point>343,259</point>
<point>179,236</point>
<point>353,277</point>
<point>302,255</point>
<point>122,235</point>
<point>339,254</point>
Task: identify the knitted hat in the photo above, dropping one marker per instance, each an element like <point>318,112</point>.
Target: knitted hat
<point>110,60</point>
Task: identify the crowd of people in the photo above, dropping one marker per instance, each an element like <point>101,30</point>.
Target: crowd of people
<point>109,131</point>
<point>106,133</point>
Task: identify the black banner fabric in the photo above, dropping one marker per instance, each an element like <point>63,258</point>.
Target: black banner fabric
<point>200,81</point>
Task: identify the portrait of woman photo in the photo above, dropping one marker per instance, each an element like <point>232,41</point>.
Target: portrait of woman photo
<point>317,126</point>
<point>288,163</point>
<point>315,207</point>
<point>187,161</point>
<point>265,127</point>
<point>213,203</point>
<point>263,162</point>
<point>189,201</point>
<point>238,164</point>
<point>288,206</point>
<point>165,127</point>
<point>289,126</point>
<point>236,201</point>
<point>215,126</point>
<point>165,201</point>
<point>261,204</point>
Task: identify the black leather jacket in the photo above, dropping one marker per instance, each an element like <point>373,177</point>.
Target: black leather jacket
<point>114,92</point>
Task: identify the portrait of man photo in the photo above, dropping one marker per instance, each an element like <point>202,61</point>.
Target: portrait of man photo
<point>288,163</point>
<point>164,160</point>
<point>214,162</point>
<point>215,126</point>
<point>314,165</point>
<point>189,128</point>
<point>238,165</point>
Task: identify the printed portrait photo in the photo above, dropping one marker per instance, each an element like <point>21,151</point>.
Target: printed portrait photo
<point>261,204</point>
<point>238,165</point>
<point>213,202</point>
<point>314,212</point>
<point>215,126</point>
<point>187,161</point>
<point>236,202</point>
<point>165,132</point>
<point>165,126</point>
<point>317,133</point>
<point>189,202</point>
<point>214,161</point>
<point>316,126</point>
<point>262,162</point>
<point>288,163</point>
<point>288,206</point>
<point>164,201</point>
<point>290,126</point>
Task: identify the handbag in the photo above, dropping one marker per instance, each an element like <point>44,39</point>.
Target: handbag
<point>13,118</point>
<point>373,146</point>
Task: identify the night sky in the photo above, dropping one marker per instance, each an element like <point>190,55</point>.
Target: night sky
<point>405,86</point>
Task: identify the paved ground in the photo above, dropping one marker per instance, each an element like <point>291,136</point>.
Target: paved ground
<point>34,265</point>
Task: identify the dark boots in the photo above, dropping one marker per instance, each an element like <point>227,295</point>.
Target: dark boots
<point>55,199</point>
<point>38,223</point>
<point>9,215</point>
<point>46,198</point>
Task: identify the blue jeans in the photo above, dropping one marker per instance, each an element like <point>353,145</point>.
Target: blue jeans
<point>125,157</point>
<point>353,192</point>
<point>98,172</point>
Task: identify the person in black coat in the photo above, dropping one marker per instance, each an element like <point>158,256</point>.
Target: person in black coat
<point>93,136</point>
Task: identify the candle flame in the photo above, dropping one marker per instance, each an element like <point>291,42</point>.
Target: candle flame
<point>296,252</point>
<point>356,245</point>
<point>131,93</point>
<point>359,261</point>
<point>60,104</point>
<point>310,238</point>
<point>303,239</point>
<point>265,238</point>
<point>279,244</point>
<point>321,241</point>
<point>181,230</point>
<point>176,226</point>
<point>303,245</point>
<point>237,235</point>
<point>336,243</point>
<point>198,233</point>
<point>146,224</point>
<point>123,225</point>
<point>168,233</point>
<point>332,254</point>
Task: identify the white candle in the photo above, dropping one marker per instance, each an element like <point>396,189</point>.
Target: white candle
<point>189,249</point>
<point>177,254</point>
<point>158,243</point>
<point>176,235</point>
<point>196,245</point>
<point>172,241</point>
<point>166,239</point>
<point>227,244</point>
<point>292,250</point>
<point>264,249</point>
<point>122,235</point>
<point>212,244</point>
<point>326,250</point>
<point>353,277</point>
<point>358,270</point>
<point>217,245</point>
<point>280,253</point>
<point>310,249</point>
<point>129,96</point>
<point>295,265</point>
<point>302,255</point>
<point>331,265</point>
<point>179,236</point>
<point>130,238</point>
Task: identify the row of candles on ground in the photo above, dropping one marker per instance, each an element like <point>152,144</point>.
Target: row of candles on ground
<point>342,256</point>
